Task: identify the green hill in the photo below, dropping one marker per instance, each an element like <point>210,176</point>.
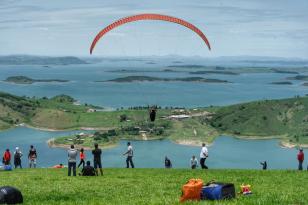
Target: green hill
<point>286,118</point>
<point>153,186</point>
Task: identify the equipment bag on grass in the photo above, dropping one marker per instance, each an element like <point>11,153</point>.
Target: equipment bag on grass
<point>191,190</point>
<point>217,191</point>
<point>8,167</point>
<point>10,195</point>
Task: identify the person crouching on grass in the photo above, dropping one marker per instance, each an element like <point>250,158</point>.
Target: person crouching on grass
<point>193,162</point>
<point>88,170</point>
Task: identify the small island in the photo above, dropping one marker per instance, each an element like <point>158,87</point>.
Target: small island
<point>282,83</point>
<point>129,79</point>
<point>27,80</point>
<point>213,72</point>
<point>305,84</point>
<point>299,77</point>
<point>284,71</point>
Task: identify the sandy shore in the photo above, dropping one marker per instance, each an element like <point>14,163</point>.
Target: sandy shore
<point>195,143</point>
<point>286,144</point>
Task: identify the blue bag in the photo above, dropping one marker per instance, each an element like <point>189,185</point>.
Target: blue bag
<point>7,168</point>
<point>218,191</point>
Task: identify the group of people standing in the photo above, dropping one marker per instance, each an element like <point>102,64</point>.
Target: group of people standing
<point>193,161</point>
<point>87,169</point>
<point>203,156</point>
<point>17,155</point>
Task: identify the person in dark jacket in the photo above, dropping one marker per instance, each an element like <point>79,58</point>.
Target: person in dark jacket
<point>17,158</point>
<point>88,170</point>
<point>97,159</point>
<point>168,163</point>
<point>300,158</point>
<point>264,165</point>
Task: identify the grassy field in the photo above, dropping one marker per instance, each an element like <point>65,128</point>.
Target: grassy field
<point>153,186</point>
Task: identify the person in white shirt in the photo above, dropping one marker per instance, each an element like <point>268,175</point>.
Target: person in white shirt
<point>130,154</point>
<point>194,162</point>
<point>203,156</point>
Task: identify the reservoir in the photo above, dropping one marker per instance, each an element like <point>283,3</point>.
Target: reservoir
<point>226,152</point>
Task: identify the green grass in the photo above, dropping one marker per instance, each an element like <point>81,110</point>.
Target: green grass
<point>285,118</point>
<point>153,186</point>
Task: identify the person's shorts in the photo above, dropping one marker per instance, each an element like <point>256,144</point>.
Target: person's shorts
<point>97,164</point>
<point>32,161</point>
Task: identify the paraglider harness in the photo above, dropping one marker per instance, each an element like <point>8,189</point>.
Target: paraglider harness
<point>152,113</point>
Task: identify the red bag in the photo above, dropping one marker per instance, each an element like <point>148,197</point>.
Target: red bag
<point>191,190</point>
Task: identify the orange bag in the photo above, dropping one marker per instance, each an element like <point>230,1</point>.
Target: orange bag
<point>192,190</point>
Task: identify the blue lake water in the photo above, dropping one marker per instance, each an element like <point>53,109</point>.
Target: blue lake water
<point>245,87</point>
<point>226,152</point>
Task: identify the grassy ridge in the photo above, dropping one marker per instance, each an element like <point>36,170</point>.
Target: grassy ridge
<point>287,118</point>
<point>153,186</point>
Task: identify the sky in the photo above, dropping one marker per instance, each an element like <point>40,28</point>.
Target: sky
<point>277,28</point>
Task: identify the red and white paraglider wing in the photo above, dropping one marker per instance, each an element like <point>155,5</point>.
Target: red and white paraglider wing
<point>149,17</point>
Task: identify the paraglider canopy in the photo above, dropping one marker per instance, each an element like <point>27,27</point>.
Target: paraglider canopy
<point>149,17</point>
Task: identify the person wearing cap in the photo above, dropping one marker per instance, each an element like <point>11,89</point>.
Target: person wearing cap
<point>300,158</point>
<point>17,158</point>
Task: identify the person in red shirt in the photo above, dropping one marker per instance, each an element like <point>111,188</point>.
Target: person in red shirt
<point>7,157</point>
<point>82,157</point>
<point>300,158</point>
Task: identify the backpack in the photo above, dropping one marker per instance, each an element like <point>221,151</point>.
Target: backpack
<point>7,167</point>
<point>191,190</point>
<point>10,195</point>
<point>218,191</point>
